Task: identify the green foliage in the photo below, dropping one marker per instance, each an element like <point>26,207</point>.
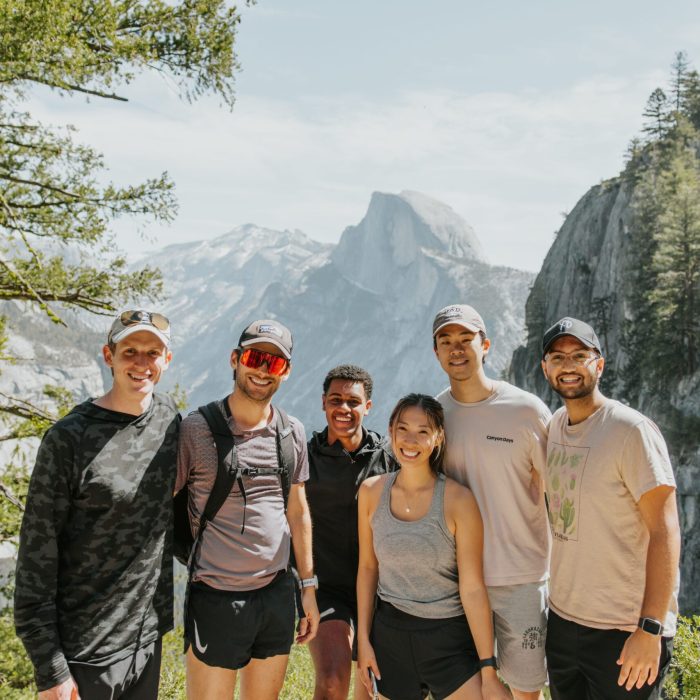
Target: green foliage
<point>16,673</point>
<point>172,670</point>
<point>663,272</point>
<point>94,45</point>
<point>683,680</point>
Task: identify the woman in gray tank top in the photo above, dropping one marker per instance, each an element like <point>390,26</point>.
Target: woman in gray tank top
<point>424,622</point>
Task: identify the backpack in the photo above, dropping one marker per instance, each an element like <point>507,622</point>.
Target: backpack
<point>228,473</point>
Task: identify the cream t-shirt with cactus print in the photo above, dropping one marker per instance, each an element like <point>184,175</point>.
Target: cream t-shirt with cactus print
<point>597,471</point>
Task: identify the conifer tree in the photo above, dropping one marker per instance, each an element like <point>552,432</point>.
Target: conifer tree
<point>657,113</point>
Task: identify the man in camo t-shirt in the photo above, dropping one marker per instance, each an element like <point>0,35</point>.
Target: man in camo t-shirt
<point>94,569</point>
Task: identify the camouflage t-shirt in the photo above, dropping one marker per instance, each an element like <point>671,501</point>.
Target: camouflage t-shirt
<point>94,568</point>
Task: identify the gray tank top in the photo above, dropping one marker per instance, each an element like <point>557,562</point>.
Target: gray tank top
<point>417,560</point>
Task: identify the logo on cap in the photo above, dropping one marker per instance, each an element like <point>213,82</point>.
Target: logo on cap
<point>267,328</point>
<point>565,324</point>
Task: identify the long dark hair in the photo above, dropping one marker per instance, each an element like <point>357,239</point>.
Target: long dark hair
<point>436,420</point>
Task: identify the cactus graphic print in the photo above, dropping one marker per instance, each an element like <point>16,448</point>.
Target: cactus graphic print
<point>565,467</point>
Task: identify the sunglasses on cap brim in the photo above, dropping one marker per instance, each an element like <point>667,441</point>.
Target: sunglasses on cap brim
<point>130,318</point>
<point>254,359</point>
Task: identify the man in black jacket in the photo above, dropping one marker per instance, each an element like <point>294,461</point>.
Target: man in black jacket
<point>340,457</point>
<point>94,589</point>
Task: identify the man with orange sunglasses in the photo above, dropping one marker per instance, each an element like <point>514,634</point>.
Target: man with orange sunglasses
<point>240,610</point>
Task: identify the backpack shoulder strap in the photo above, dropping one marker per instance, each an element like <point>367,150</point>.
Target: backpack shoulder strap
<point>285,451</point>
<point>226,473</point>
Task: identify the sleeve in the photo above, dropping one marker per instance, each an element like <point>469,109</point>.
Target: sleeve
<point>36,580</point>
<point>184,454</point>
<point>645,463</point>
<point>301,454</point>
<point>538,438</point>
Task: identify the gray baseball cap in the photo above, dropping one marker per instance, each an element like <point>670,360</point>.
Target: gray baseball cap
<point>135,320</point>
<point>462,315</point>
<point>268,331</point>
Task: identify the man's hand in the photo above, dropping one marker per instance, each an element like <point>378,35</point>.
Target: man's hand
<point>308,625</point>
<point>639,660</point>
<point>67,690</point>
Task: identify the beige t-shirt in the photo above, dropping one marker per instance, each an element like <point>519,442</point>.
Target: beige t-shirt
<point>492,447</point>
<point>597,471</point>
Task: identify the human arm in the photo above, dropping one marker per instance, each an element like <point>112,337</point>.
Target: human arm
<point>639,659</point>
<point>299,520</point>
<point>36,579</point>
<point>538,451</point>
<point>463,515</point>
<point>367,577</point>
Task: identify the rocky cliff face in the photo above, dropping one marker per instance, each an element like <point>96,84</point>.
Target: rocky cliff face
<point>583,276</point>
<point>370,300</point>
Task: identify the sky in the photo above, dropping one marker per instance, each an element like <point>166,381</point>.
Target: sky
<point>508,112</point>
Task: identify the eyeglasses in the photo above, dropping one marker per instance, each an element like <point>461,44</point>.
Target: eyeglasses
<point>130,318</point>
<point>580,357</point>
<point>254,359</point>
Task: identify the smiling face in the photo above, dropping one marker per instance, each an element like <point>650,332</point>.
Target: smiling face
<point>137,363</point>
<point>461,352</point>
<point>345,405</point>
<point>257,384</point>
<point>570,379</point>
<point>413,437</point>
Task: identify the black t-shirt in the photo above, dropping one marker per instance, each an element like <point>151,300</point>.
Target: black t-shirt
<point>335,476</point>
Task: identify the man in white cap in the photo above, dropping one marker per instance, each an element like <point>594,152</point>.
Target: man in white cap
<point>240,612</point>
<point>612,509</point>
<point>496,439</point>
<point>93,592</point>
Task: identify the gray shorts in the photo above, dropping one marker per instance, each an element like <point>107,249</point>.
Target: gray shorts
<point>520,626</point>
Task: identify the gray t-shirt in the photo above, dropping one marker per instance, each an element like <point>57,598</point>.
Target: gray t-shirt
<point>228,558</point>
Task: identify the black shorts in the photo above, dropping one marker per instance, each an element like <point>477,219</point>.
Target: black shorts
<point>582,663</point>
<point>229,628</point>
<point>417,656</point>
<point>135,677</point>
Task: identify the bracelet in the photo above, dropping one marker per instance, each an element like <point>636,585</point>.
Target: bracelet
<point>491,661</point>
<point>309,582</point>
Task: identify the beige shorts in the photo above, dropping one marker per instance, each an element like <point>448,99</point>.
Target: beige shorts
<point>520,626</point>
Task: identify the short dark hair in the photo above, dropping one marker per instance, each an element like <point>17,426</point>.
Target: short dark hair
<point>436,419</point>
<point>350,373</point>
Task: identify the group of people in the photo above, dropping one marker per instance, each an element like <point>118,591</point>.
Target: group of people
<point>482,537</point>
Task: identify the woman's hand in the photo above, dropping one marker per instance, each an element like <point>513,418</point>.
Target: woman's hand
<point>366,661</point>
<point>492,688</point>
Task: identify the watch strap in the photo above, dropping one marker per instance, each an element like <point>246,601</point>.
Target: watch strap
<point>651,626</point>
<point>309,582</point>
<point>491,661</point>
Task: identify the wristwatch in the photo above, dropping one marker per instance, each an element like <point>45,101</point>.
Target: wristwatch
<point>309,583</point>
<point>491,661</point>
<point>650,625</point>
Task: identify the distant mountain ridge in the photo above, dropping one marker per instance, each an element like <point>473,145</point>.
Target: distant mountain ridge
<point>368,300</point>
